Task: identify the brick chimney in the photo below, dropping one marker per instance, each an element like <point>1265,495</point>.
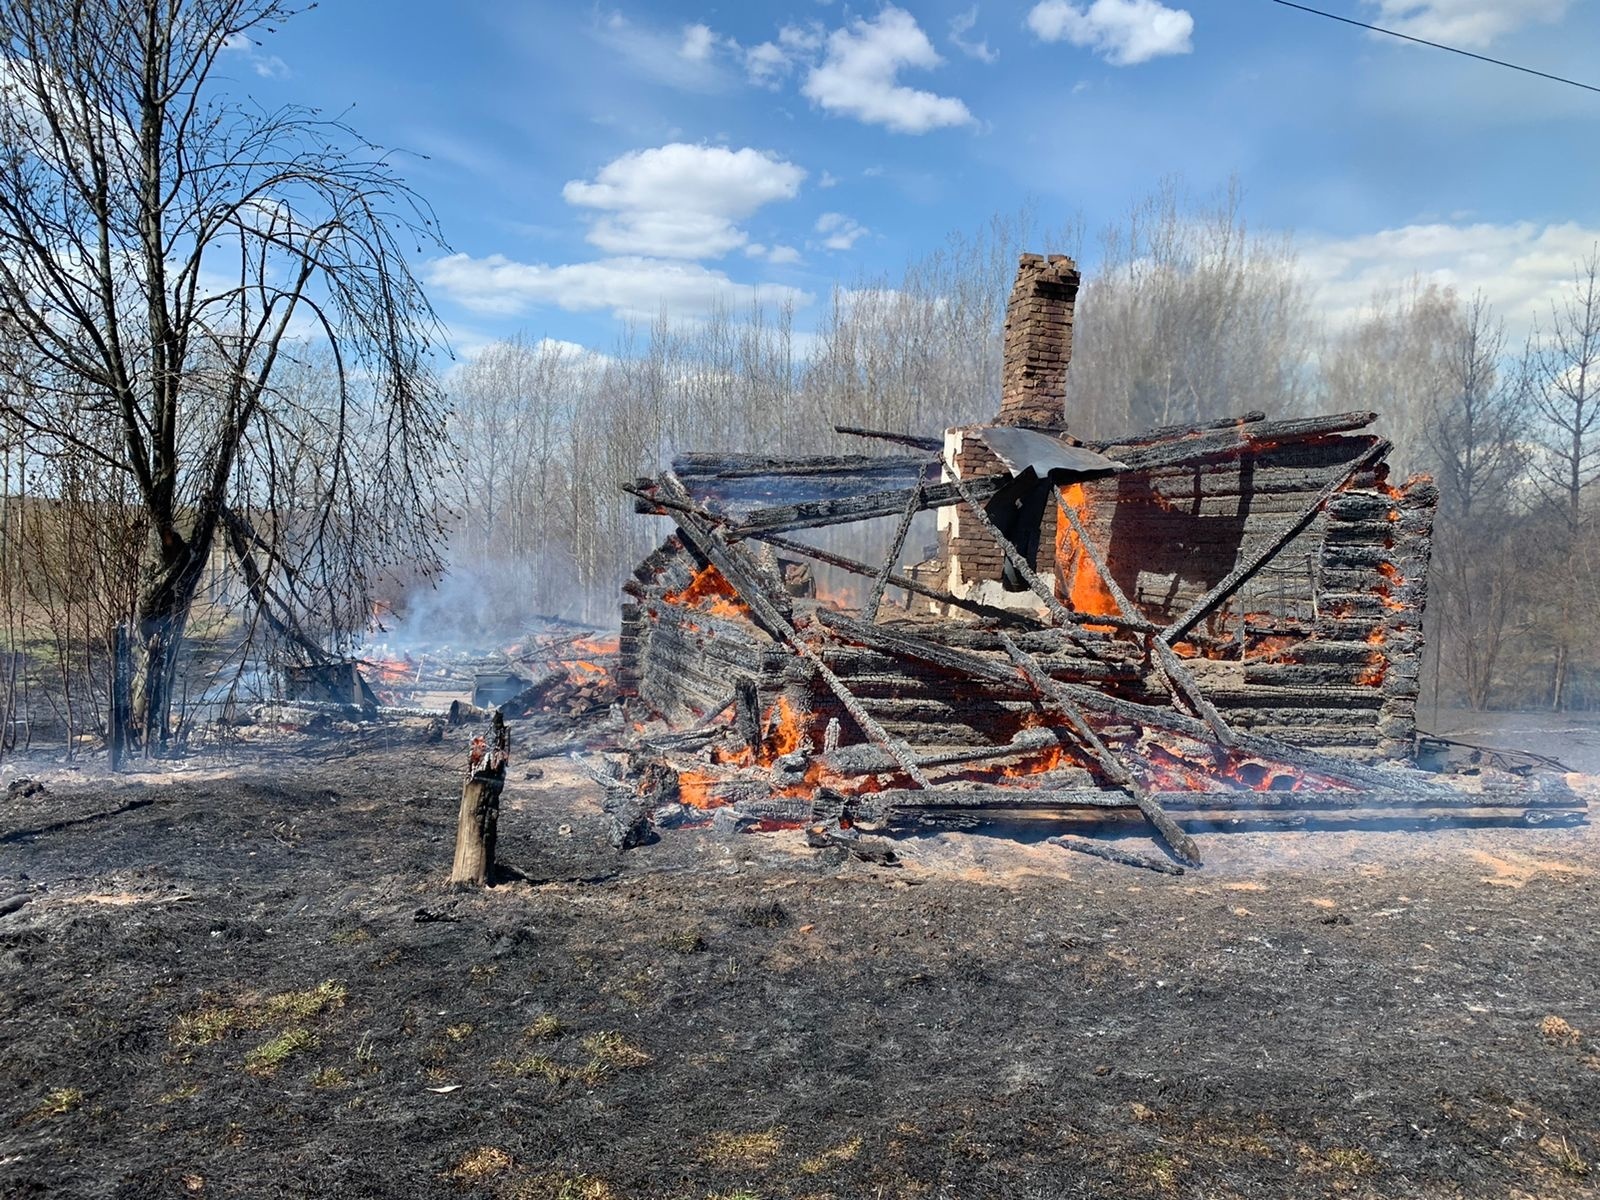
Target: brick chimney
<point>1038,342</point>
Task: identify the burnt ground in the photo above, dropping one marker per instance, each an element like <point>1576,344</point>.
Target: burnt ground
<point>256,984</point>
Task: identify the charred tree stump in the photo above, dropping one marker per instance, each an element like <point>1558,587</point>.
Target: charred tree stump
<point>479,819</point>
<point>119,739</point>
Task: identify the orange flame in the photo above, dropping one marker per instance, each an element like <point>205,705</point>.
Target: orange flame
<point>695,790</point>
<point>710,592</point>
<point>1087,593</point>
<point>844,599</point>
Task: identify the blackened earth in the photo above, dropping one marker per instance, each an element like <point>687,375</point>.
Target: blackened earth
<point>256,983</point>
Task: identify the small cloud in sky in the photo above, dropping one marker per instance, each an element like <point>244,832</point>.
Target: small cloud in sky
<point>679,200</point>
<point>1123,32</point>
<point>960,25</point>
<point>828,180</point>
<point>1475,23</point>
<point>698,42</point>
<point>766,64</point>
<point>839,231</point>
<point>776,255</point>
<point>682,58</point>
<point>858,76</point>
<point>629,287</point>
<point>268,66</point>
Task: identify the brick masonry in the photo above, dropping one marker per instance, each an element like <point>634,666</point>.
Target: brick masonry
<point>1038,342</point>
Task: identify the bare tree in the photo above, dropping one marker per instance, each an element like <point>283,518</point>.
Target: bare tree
<point>1190,317</point>
<point>1397,358</point>
<point>163,247</point>
<point>1474,438</point>
<point>1566,395</point>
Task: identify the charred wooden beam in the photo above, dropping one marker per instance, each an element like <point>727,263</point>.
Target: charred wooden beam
<point>1171,666</point>
<point>883,435</point>
<point>896,545</point>
<point>812,514</point>
<point>697,466</point>
<point>1259,435</point>
<point>1166,433</point>
<point>898,580</point>
<point>739,571</point>
<point>870,760</point>
<point>1126,858</point>
<point>898,802</point>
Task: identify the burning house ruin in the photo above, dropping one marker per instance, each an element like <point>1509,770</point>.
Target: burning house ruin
<point>1195,624</point>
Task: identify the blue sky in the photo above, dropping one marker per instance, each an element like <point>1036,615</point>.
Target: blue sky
<point>591,163</point>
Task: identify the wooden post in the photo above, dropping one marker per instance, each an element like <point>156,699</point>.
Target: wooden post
<point>480,807</point>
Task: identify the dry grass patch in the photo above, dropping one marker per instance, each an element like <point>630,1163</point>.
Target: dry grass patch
<point>750,1151</point>
<point>212,1022</point>
<point>611,1050</point>
<point>833,1157</point>
<point>1351,1160</point>
<point>57,1104</point>
<point>1558,1032</point>
<point>544,1028</point>
<point>1565,1156</point>
<point>564,1187</point>
<point>480,1163</point>
<point>271,1054</point>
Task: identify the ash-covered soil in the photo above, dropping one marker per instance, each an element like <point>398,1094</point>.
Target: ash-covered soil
<point>257,984</point>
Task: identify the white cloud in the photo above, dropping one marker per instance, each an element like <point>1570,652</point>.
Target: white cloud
<point>828,180</point>
<point>698,42</point>
<point>801,39</point>
<point>681,201</point>
<point>1123,32</point>
<point>268,66</point>
<point>960,25</point>
<point>839,231</point>
<point>1522,268</point>
<point>766,64</point>
<point>632,287</point>
<point>777,255</point>
<point>857,76</point>
<point>664,55</point>
<point>1465,22</point>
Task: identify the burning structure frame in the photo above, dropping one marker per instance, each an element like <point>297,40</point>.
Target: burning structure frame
<point>1207,623</point>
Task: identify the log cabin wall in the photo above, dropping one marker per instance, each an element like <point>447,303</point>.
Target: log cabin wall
<point>1328,641</point>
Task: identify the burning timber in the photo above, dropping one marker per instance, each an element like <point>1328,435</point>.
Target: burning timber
<point>1190,627</point>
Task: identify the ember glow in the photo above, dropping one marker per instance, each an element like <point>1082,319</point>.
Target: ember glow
<point>710,592</point>
<point>1087,591</point>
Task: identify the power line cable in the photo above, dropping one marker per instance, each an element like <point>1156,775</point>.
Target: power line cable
<point>1499,62</point>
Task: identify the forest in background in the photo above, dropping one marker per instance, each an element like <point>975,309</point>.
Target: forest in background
<point>1185,315</point>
